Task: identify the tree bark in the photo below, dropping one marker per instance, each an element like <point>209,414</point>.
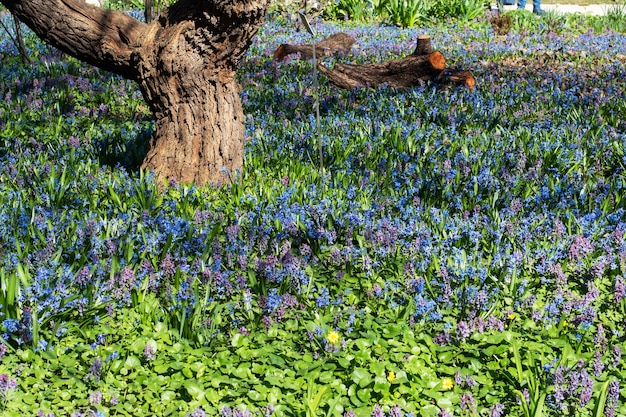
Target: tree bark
<point>337,42</point>
<point>100,37</point>
<point>184,63</point>
<point>422,65</point>
<point>147,11</point>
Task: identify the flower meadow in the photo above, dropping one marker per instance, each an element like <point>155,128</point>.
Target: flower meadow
<point>456,253</point>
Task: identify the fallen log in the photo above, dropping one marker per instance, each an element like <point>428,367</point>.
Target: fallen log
<point>422,65</point>
<point>337,42</point>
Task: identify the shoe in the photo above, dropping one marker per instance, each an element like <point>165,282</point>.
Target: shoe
<point>539,12</point>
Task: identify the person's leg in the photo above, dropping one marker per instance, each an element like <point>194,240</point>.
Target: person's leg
<point>521,4</point>
<point>537,7</point>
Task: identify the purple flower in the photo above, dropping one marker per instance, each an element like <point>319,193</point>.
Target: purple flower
<point>587,388</point>
<point>442,339</point>
<point>597,364</point>
<point>198,412</point>
<point>617,356</point>
<point>619,289</point>
<point>232,232</point>
<point>95,370</point>
<point>82,277</point>
<point>516,206</point>
<point>73,141</point>
<point>467,401</point>
<point>167,265</point>
<point>123,283</point>
<point>95,398</point>
<point>462,330</point>
<point>560,387</point>
<point>6,384</point>
<point>458,378</point>
<point>444,413</point>
<point>612,398</point>
<point>496,410</point>
<point>149,351</point>
<point>378,411</point>
<point>599,339</point>
<point>580,247</point>
<point>241,413</point>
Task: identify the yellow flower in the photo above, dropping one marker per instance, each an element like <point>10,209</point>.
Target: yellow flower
<point>333,337</point>
<point>446,384</point>
<point>391,376</point>
<point>565,323</point>
<point>511,316</point>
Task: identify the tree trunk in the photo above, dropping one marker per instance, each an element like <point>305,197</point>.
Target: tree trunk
<point>147,11</point>
<point>413,70</point>
<point>337,42</point>
<point>187,76</point>
<point>199,134</point>
<point>184,63</point>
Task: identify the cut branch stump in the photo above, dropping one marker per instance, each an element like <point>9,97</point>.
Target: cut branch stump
<point>335,43</point>
<point>422,65</point>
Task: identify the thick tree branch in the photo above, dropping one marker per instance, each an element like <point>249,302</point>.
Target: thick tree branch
<point>422,65</point>
<point>337,42</point>
<point>221,30</point>
<point>212,35</point>
<point>101,37</point>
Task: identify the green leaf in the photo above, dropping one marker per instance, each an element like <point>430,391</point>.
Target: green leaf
<point>364,394</point>
<point>194,389</point>
<point>381,384</point>
<point>168,396</point>
<point>256,396</point>
<point>600,404</point>
<point>132,362</point>
<point>361,376</point>
<point>429,410</point>
<point>186,371</point>
<point>238,340</point>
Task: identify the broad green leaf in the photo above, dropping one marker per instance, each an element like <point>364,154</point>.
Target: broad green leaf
<point>194,388</point>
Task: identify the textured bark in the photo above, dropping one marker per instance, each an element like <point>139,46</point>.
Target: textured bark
<point>457,76</point>
<point>422,65</point>
<point>335,43</point>
<point>200,135</point>
<point>104,38</point>
<point>406,72</point>
<point>187,62</point>
<point>184,63</point>
<point>423,46</point>
<point>147,11</point>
